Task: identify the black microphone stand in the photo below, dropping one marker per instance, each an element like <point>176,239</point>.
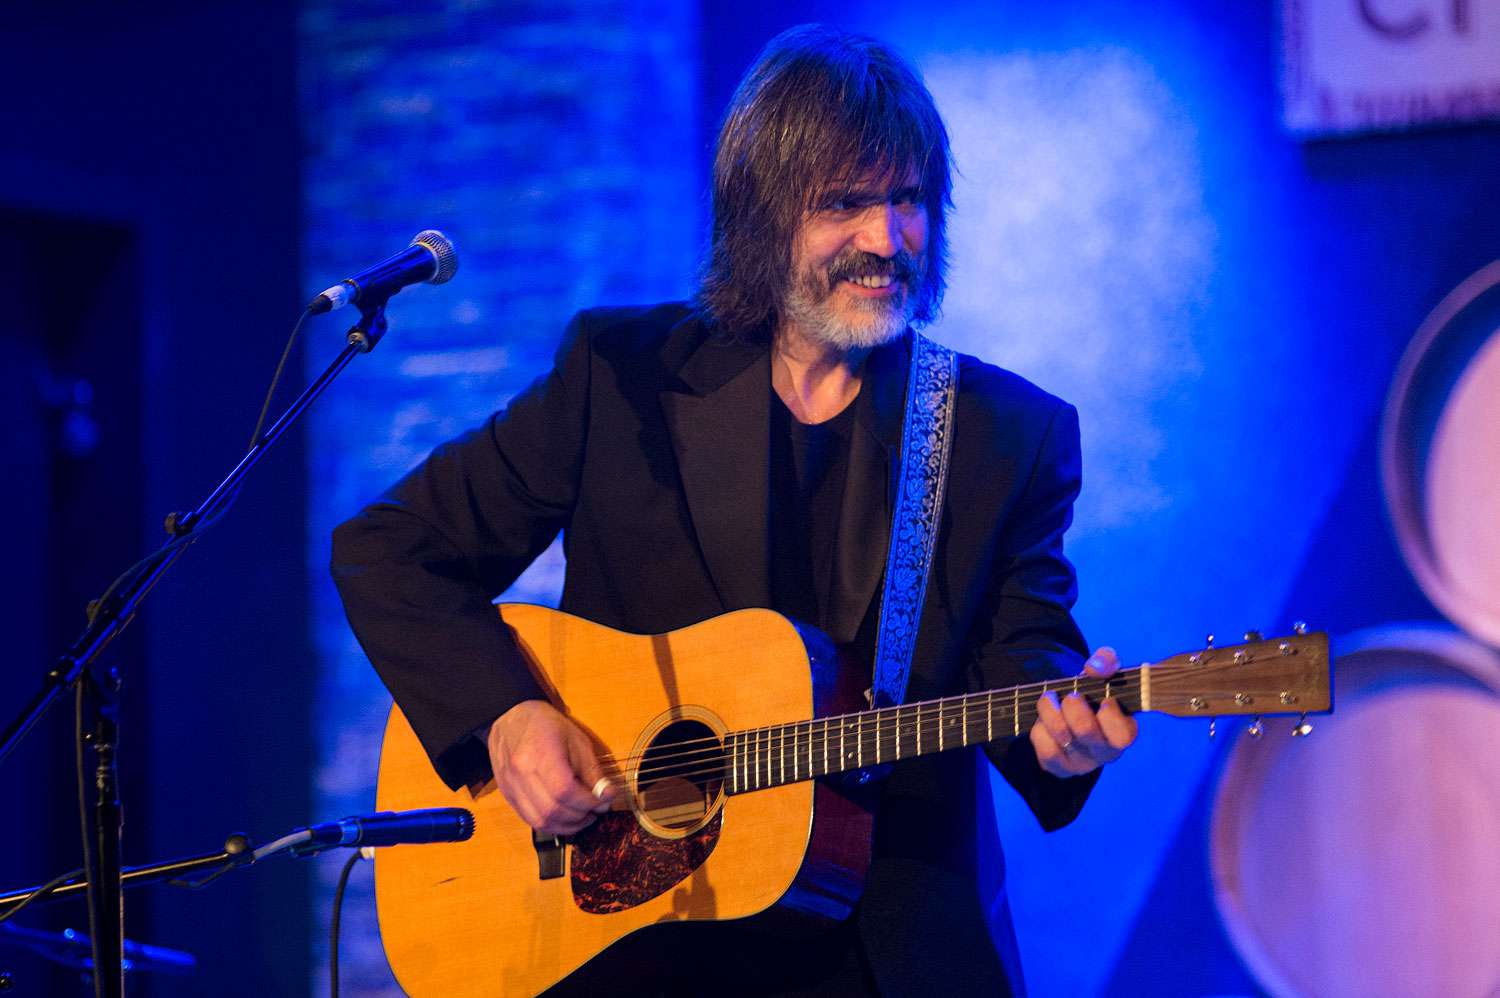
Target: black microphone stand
<point>97,687</point>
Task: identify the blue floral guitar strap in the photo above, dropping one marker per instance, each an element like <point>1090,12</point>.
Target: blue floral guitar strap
<point>926,441</point>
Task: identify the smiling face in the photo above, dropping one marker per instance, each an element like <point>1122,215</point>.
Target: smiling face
<point>857,261</point>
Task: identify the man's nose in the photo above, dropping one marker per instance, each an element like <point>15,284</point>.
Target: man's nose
<point>880,230</point>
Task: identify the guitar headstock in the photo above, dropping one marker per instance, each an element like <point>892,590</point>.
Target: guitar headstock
<point>1262,677</point>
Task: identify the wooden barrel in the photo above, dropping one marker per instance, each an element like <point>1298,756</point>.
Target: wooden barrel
<point>1364,859</point>
<point>1440,455</point>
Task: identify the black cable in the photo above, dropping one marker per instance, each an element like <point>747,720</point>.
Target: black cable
<point>333,942</point>
<point>213,515</point>
<point>41,892</point>
<point>91,870</point>
<point>286,352</point>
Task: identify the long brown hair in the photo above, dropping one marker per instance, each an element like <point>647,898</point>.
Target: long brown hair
<point>820,109</point>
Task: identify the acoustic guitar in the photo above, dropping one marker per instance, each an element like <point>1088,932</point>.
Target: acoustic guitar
<point>726,739</point>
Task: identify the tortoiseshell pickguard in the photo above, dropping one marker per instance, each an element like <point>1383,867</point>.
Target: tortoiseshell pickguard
<point>617,864</point>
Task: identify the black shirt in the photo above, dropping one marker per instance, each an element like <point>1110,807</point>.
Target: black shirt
<point>809,465</point>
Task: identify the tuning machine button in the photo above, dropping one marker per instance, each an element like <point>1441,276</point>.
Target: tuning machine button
<point>1303,729</point>
<point>1253,635</point>
<point>1300,627</point>
<point>1256,729</point>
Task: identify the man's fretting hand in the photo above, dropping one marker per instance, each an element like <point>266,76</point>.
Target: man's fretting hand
<point>546,768</point>
<point>1070,737</point>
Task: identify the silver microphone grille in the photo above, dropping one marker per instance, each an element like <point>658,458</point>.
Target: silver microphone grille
<point>442,250</point>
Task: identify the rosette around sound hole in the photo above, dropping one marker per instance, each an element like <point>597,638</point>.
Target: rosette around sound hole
<point>680,780</point>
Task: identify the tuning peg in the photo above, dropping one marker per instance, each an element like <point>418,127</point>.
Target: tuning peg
<point>1208,641</point>
<point>1253,635</point>
<point>1303,729</point>
<point>1300,627</point>
<point>1212,721</point>
<point>1256,728</point>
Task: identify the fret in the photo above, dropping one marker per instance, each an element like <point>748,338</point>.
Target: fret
<point>762,757</point>
<point>780,754</point>
<point>825,748</point>
<point>756,759</point>
<point>765,752</point>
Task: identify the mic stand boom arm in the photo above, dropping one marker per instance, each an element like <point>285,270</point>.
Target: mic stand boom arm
<point>98,688</point>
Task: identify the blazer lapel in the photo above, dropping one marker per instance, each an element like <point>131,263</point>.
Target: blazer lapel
<point>720,429</point>
<point>865,511</point>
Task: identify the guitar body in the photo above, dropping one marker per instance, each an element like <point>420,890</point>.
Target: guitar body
<point>686,849</point>
<point>716,735</point>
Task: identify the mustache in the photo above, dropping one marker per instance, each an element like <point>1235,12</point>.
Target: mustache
<point>902,267</point>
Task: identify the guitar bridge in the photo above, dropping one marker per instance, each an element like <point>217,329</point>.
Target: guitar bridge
<point>551,856</point>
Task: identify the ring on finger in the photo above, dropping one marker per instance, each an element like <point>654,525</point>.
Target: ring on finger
<point>1067,746</point>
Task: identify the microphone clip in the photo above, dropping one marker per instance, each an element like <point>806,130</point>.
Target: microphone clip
<point>371,327</point>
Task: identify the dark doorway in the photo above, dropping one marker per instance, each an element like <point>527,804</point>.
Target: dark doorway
<point>71,460</point>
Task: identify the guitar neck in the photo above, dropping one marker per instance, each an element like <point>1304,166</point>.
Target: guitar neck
<point>760,758</point>
<point>1289,675</point>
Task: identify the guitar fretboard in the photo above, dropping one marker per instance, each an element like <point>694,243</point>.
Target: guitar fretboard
<point>759,758</point>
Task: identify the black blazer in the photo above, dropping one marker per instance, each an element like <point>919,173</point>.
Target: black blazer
<point>647,445</point>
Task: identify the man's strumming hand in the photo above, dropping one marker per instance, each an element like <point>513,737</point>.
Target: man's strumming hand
<point>1072,738</point>
<point>546,768</point>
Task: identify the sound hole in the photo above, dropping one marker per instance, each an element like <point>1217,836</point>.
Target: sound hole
<point>681,775</point>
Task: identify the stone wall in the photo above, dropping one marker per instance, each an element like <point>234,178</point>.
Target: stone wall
<point>556,144</point>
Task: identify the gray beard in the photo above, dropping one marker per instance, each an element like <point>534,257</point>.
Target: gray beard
<point>877,321</point>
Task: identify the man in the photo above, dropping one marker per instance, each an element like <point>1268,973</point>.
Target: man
<point>740,451</point>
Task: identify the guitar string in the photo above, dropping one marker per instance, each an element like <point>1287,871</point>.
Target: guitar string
<point>709,763</point>
<point>715,766</point>
<point>886,720</point>
<point>881,715</point>
<point>713,760</point>
<point>795,735</point>
<point>1161,676</point>
<point>719,770</point>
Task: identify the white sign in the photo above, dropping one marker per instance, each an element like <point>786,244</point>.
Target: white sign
<point>1365,65</point>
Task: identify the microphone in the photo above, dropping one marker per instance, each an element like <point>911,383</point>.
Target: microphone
<point>431,257</point>
<point>390,828</point>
